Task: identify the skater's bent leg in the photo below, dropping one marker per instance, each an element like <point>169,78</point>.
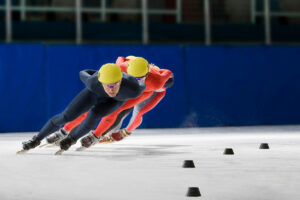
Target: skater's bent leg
<point>51,126</point>
<point>88,124</point>
<point>142,108</point>
<point>118,122</point>
<point>80,104</point>
<point>100,110</point>
<point>70,125</point>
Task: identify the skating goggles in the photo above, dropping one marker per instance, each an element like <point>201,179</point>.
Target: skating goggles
<point>113,85</point>
<point>141,78</point>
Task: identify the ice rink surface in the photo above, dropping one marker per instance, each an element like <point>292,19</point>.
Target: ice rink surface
<point>148,166</point>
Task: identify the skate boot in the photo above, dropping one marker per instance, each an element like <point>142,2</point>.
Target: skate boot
<point>89,140</point>
<point>120,135</point>
<point>56,137</point>
<point>124,133</point>
<point>116,136</point>
<point>34,142</point>
<point>67,142</point>
<point>106,139</point>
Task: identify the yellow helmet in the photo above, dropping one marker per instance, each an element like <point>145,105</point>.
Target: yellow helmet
<point>155,67</point>
<point>109,73</point>
<point>131,57</point>
<point>138,67</point>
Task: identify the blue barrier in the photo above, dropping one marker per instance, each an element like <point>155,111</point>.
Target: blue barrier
<point>22,87</point>
<point>243,85</point>
<point>214,86</point>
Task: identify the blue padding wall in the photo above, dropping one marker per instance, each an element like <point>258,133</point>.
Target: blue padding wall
<point>22,87</point>
<point>214,86</point>
<point>231,86</point>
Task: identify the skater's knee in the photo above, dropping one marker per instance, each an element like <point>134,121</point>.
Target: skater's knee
<point>91,121</point>
<point>90,124</point>
<point>60,119</point>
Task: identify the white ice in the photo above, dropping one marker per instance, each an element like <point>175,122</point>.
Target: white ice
<point>148,166</point>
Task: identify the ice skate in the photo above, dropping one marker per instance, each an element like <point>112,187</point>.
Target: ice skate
<point>56,137</point>
<point>21,151</point>
<point>30,144</point>
<point>124,133</point>
<point>89,140</point>
<point>114,137</point>
<point>82,148</point>
<point>106,139</point>
<point>43,145</point>
<point>47,145</point>
<point>65,144</point>
<point>59,152</point>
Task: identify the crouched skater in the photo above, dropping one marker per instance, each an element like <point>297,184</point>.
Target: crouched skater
<point>106,90</point>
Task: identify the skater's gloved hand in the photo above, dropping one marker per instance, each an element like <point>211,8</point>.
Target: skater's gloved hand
<point>170,82</point>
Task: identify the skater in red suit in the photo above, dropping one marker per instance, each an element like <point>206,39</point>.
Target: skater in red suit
<point>156,81</point>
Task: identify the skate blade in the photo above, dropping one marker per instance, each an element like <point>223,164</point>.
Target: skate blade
<point>106,142</point>
<point>21,151</point>
<point>48,145</point>
<point>51,145</point>
<point>81,148</point>
<point>59,152</point>
<point>43,145</point>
